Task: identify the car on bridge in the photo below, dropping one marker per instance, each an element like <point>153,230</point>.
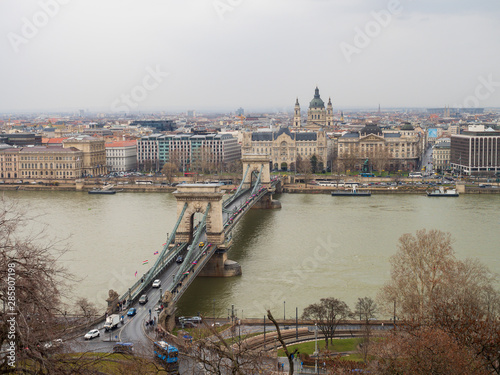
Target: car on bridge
<point>201,244</point>
<point>91,334</point>
<point>156,283</point>
<point>132,311</point>
<point>180,259</point>
<point>143,299</point>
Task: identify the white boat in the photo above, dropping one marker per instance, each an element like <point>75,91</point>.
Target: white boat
<point>441,192</point>
<point>351,193</point>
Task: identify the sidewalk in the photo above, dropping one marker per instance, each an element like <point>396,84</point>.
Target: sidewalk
<point>297,368</point>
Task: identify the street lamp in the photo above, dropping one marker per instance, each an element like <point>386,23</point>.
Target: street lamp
<point>316,346</point>
<point>284,318</point>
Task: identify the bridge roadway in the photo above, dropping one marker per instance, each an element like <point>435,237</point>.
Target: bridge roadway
<point>133,328</point>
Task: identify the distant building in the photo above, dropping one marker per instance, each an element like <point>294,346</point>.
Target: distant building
<point>476,151</point>
<point>441,155</point>
<point>397,149</point>
<point>157,125</point>
<point>240,112</point>
<point>284,147</point>
<point>94,154</point>
<point>187,151</point>
<point>21,139</point>
<point>121,156</point>
<point>41,163</point>
<point>318,116</point>
<point>50,162</point>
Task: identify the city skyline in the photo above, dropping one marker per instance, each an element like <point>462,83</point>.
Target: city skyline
<point>220,55</point>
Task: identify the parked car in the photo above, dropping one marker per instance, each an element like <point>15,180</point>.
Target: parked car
<point>132,311</point>
<point>157,283</point>
<point>143,299</point>
<point>91,334</point>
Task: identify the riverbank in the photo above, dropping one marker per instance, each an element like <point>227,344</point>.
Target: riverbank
<point>298,188</point>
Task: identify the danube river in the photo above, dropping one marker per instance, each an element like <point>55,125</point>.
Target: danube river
<point>315,246</point>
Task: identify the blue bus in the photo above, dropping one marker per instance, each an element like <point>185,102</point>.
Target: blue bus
<point>367,175</point>
<point>167,356</point>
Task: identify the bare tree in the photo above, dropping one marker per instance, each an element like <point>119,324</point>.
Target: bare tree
<point>437,293</point>
<point>87,309</point>
<point>328,314</point>
<point>422,351</point>
<point>349,160</point>
<point>418,268</point>
<point>31,284</point>
<point>216,354</point>
<point>366,308</point>
<point>283,344</point>
<point>170,170</point>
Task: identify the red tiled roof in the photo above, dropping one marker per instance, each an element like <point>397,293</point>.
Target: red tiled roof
<point>53,140</point>
<point>121,144</point>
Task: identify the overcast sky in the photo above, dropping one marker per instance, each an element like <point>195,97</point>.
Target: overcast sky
<point>174,55</point>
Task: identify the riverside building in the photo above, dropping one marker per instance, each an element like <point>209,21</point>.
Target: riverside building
<point>476,151</point>
<point>186,150</point>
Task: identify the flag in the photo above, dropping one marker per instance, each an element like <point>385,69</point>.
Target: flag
<point>135,273</point>
<point>194,262</point>
<point>156,253</point>
<point>145,262</point>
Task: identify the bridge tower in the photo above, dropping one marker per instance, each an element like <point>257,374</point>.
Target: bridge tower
<point>255,163</point>
<point>197,197</point>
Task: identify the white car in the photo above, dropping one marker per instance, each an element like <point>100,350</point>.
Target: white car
<point>91,334</point>
<point>156,283</point>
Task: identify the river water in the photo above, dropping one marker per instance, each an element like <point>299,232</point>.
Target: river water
<point>315,246</point>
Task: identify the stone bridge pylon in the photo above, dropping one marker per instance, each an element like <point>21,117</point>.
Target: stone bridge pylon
<point>255,163</point>
<point>197,197</point>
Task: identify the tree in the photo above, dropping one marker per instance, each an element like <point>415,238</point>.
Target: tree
<point>381,158</point>
<point>418,268</point>
<point>288,354</point>
<point>328,314</point>
<point>366,308</point>
<point>349,160</point>
<point>303,167</point>
<point>216,354</point>
<point>422,351</point>
<point>31,284</point>
<point>314,164</point>
<point>169,170</point>
<point>437,293</point>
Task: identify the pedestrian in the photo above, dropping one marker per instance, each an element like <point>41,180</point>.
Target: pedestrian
<point>279,366</point>
<point>282,366</point>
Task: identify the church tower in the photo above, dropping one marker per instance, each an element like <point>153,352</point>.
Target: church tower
<point>296,116</point>
<point>329,113</point>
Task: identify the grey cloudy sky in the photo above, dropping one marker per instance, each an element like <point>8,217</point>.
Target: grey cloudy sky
<point>174,55</point>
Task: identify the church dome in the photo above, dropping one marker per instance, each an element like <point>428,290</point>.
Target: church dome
<point>371,129</point>
<point>317,102</point>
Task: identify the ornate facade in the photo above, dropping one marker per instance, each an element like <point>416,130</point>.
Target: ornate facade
<point>284,147</point>
<point>393,149</point>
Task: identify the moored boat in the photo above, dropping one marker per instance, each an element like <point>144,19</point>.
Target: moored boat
<point>108,189</point>
<point>441,192</point>
<point>351,193</point>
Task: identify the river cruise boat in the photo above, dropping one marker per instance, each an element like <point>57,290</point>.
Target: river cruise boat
<point>108,189</point>
<point>441,192</point>
<point>351,193</point>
